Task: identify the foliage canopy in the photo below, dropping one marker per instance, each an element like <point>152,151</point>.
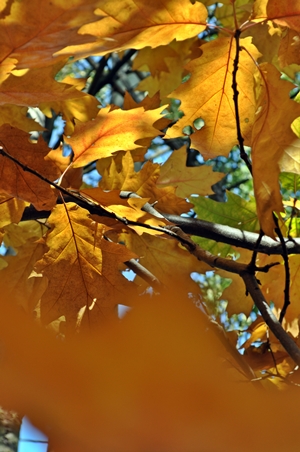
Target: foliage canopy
<point>215,80</point>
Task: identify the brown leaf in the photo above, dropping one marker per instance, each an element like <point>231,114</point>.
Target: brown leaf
<point>22,184</point>
<point>82,269</point>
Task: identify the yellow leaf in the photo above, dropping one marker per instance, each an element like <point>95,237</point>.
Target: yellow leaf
<point>235,294</point>
<point>11,210</point>
<point>143,183</point>
<point>166,75</point>
<point>230,14</point>
<point>16,117</point>
<point>130,208</point>
<point>271,135</point>
<point>208,95</point>
<point>82,269</point>
<point>166,259</point>
<point>37,88</point>
<point>275,292</point>
<point>187,180</point>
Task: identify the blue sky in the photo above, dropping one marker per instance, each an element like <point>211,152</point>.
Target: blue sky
<point>29,432</point>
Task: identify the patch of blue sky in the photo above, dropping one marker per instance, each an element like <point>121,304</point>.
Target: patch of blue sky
<point>31,439</point>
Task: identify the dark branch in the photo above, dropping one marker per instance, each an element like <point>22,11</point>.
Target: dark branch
<point>200,228</point>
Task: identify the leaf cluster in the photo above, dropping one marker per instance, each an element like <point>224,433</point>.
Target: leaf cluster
<point>155,112</point>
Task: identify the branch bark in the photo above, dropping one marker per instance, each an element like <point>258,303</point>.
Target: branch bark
<point>200,228</point>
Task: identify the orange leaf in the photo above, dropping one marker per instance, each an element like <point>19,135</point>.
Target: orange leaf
<point>282,12</point>
<point>11,209</point>
<point>33,32</point>
<point>130,208</point>
<point>139,24</point>
<point>150,382</point>
<point>112,131</point>
<point>161,255</point>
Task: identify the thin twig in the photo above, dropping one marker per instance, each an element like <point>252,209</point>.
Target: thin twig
<point>234,86</point>
<point>255,251</point>
<point>141,271</point>
<point>285,257</point>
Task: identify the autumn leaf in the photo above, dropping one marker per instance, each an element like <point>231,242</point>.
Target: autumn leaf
<point>112,131</point>
<point>284,13</point>
<point>166,65</point>
<point>162,348</point>
<point>11,209</point>
<point>19,183</point>
<point>242,303</point>
<point>275,292</point>
<point>192,180</point>
<point>19,279</point>
<point>32,33</point>
<point>141,24</point>
<point>37,88</point>
<point>82,269</point>
<point>271,134</point>
<point>160,256</point>
<point>129,209</point>
<point>144,184</point>
<point>230,14</point>
<point>207,95</point>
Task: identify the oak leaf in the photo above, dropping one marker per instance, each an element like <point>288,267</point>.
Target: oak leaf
<point>271,135</point>
<point>18,278</point>
<point>131,372</point>
<point>187,180</point>
<point>235,212</point>
<point>166,259</point>
<point>37,88</point>
<point>208,95</point>
<point>112,131</point>
<point>167,77</point>
<point>139,24</point>
<point>130,208</point>
<point>284,13</point>
<point>144,184</point>
<point>82,269</point>
<point>33,32</point>
<point>11,209</point>
<point>22,184</point>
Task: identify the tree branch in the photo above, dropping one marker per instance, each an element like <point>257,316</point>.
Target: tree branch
<point>246,272</point>
<point>200,228</point>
